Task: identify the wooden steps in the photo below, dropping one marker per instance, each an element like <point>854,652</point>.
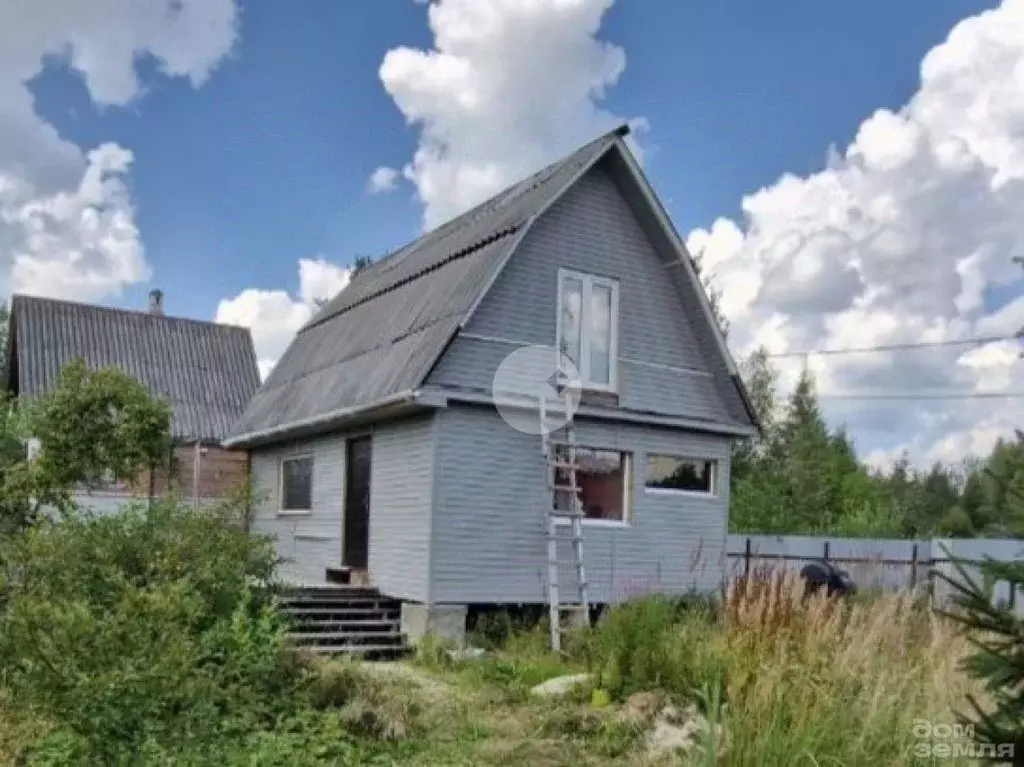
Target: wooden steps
<point>344,620</point>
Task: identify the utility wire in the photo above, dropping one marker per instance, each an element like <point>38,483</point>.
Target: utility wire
<point>951,395</point>
<point>896,347</point>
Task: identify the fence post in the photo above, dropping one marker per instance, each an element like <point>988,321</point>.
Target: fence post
<point>1013,596</point>
<point>913,567</point>
<point>746,560</point>
<point>826,550</point>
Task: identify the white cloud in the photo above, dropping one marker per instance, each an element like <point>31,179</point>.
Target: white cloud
<point>384,179</point>
<point>508,86</point>
<point>274,316</point>
<point>67,224</point>
<point>899,239</point>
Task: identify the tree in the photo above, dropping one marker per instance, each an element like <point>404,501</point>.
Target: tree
<point>713,293</point>
<point>760,380</point>
<point>360,263</point>
<point>997,633</point>
<point>5,321</point>
<point>91,426</point>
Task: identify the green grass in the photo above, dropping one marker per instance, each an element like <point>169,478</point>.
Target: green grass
<point>780,680</point>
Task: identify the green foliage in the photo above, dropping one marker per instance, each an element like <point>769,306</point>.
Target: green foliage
<point>713,293</point>
<point>799,476</point>
<point>648,644</point>
<point>998,661</point>
<point>141,633</point>
<point>91,425</point>
<point>96,423</point>
<point>361,262</point>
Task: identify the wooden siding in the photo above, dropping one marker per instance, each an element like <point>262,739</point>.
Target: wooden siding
<point>401,491</point>
<point>489,517</point>
<point>592,229</point>
<point>221,472</point>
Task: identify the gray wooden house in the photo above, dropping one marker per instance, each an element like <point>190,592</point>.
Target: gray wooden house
<point>376,444</point>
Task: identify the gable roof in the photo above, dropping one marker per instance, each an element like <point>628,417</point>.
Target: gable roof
<point>375,343</point>
<point>207,371</point>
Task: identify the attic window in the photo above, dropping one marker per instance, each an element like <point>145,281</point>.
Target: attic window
<point>588,327</point>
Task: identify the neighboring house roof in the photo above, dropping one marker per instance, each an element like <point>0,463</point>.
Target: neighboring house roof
<point>206,371</point>
<point>375,343</point>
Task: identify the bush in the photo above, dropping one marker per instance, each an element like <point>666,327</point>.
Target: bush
<point>648,644</point>
<point>147,632</point>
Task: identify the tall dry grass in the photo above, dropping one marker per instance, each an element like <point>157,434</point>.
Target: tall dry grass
<point>813,680</point>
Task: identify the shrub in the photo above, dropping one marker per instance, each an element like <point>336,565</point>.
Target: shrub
<point>646,644</point>
<point>143,632</point>
<point>997,636</point>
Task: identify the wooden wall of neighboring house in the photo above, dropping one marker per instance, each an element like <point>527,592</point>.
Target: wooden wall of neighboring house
<point>221,473</point>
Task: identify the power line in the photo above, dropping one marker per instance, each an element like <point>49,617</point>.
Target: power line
<point>895,347</point>
<point>950,395</point>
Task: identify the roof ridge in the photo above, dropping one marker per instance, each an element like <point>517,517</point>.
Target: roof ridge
<point>471,214</point>
<point>20,297</point>
<point>440,234</point>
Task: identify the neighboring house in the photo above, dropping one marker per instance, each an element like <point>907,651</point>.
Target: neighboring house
<point>207,372</point>
<point>377,446</point>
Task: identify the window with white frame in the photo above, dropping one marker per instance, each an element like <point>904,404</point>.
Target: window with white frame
<point>676,474</point>
<point>603,479</point>
<point>297,484</point>
<point>588,326</point>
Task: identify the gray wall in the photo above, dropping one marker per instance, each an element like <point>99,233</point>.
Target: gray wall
<point>400,492</point>
<point>592,229</point>
<point>307,543</point>
<point>489,540</point>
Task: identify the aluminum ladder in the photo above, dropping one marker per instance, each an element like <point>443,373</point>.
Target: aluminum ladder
<point>561,475</point>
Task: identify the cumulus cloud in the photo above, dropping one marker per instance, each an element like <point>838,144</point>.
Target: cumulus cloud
<point>384,179</point>
<point>67,224</point>
<point>507,87</point>
<point>900,238</point>
<point>274,316</point>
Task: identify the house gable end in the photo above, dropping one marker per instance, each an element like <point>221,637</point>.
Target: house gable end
<point>664,350</point>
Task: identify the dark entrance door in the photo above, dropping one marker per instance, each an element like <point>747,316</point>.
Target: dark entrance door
<point>356,540</point>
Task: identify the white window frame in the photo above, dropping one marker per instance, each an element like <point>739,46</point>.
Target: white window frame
<point>712,493</point>
<point>628,473</point>
<point>589,281</point>
<point>281,510</point>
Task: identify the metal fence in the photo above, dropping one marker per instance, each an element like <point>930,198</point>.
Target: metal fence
<point>877,563</point>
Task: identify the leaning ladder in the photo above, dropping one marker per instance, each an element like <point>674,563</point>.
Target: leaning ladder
<point>561,472</point>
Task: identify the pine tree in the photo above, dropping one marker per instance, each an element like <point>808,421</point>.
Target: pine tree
<point>760,380</point>
<point>997,634</point>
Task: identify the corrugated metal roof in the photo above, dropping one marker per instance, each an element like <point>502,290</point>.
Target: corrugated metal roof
<point>207,371</point>
<point>382,334</point>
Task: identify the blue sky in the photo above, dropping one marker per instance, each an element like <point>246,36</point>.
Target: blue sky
<point>268,161</point>
<point>853,173</point>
